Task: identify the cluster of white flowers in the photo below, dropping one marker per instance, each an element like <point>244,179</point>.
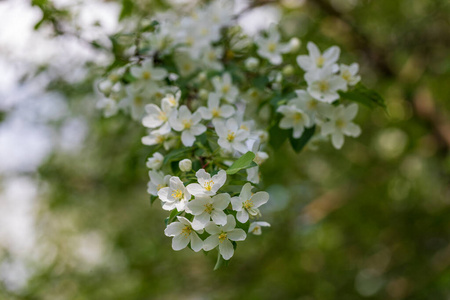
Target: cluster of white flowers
<point>201,114</point>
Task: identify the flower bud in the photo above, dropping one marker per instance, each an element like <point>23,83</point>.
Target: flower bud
<point>288,70</point>
<point>251,63</point>
<point>203,94</point>
<point>202,76</point>
<point>294,45</point>
<point>185,165</point>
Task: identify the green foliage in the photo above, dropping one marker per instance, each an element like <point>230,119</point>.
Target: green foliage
<point>365,96</point>
<point>243,162</point>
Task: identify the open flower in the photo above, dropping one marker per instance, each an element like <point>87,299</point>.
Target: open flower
<point>340,124</point>
<point>230,136</point>
<point>214,111</point>
<point>205,208</point>
<point>188,124</point>
<point>175,195</point>
<point>183,232</point>
<point>207,185</point>
<point>270,47</point>
<point>247,203</point>
<point>155,162</point>
<point>295,118</point>
<point>157,182</point>
<point>156,137</point>
<point>147,72</point>
<point>222,236</point>
<point>224,87</point>
<point>255,227</point>
<point>316,60</point>
<point>348,73</point>
<point>309,105</point>
<point>324,85</point>
<point>157,117</point>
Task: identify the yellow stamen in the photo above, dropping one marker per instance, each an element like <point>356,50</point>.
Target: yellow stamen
<point>216,113</point>
<point>320,61</point>
<point>147,75</point>
<point>346,75</point>
<point>222,237</point>
<point>209,208</point>
<point>324,86</point>
<point>297,117</point>
<point>186,231</point>
<point>340,123</point>
<point>226,88</point>
<point>187,124</point>
<point>162,116</point>
<point>272,47</point>
<point>231,136</point>
<point>138,100</point>
<point>208,185</point>
<point>247,204</point>
<point>177,194</point>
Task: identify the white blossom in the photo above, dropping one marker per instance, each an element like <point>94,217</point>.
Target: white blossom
<point>184,232</point>
<point>323,85</point>
<point>155,162</point>
<point>188,124</point>
<point>270,47</point>
<point>295,118</point>
<point>157,117</point>
<point>205,208</point>
<point>255,227</point>
<point>247,203</point>
<point>185,165</point>
<point>222,236</point>
<point>214,111</point>
<point>340,124</point>
<point>148,73</point>
<point>157,182</point>
<point>316,60</point>
<point>175,195</point>
<point>231,137</point>
<point>157,137</point>
<point>349,73</point>
<point>225,88</point>
<point>207,185</point>
<point>109,107</point>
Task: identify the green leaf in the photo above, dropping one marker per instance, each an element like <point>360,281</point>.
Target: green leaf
<point>243,162</point>
<point>177,154</point>
<point>172,216</point>
<point>277,136</point>
<point>127,9</point>
<point>365,96</point>
<point>300,143</point>
<point>220,261</point>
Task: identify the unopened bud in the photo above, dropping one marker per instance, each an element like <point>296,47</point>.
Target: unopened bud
<point>288,70</point>
<point>185,165</point>
<point>294,45</point>
<point>251,63</point>
<point>203,94</point>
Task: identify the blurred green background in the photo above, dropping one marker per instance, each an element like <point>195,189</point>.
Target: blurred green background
<point>371,221</point>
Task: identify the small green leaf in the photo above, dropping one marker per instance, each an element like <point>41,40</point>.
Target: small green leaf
<point>152,199</point>
<point>300,143</point>
<point>127,9</point>
<point>365,96</point>
<point>277,136</point>
<point>177,154</point>
<point>243,162</point>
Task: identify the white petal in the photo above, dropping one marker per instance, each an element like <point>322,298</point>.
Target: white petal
<point>351,111</point>
<point>212,228</point>
<point>352,130</point>
<point>236,235</point>
<point>337,140</point>
<point>203,218</point>
<point>180,242</point>
<point>219,180</point>
<point>227,111</point>
<point>231,223</point>
<point>226,249</point>
<point>221,201</point>
<point>196,242</point>
<point>187,138</point>
<point>198,129</point>
<point>197,206</point>
<point>242,216</point>
<point>195,189</point>
<point>174,229</point>
<point>260,198</point>
<point>219,217</point>
<point>211,242</point>
<point>236,203</point>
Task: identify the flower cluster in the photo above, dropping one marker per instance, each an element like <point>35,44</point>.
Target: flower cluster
<point>208,96</point>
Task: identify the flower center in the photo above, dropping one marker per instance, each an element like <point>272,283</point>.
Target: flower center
<point>216,113</point>
<point>272,47</point>
<point>160,186</point>
<point>209,208</point>
<point>340,123</point>
<point>247,204</point>
<point>160,139</point>
<point>162,116</point>
<point>222,237</point>
<point>147,75</point>
<point>324,86</point>
<point>297,117</point>
<point>113,77</point>
<point>208,185</point>
<point>177,194</point>
<point>225,88</point>
<point>187,124</point>
<point>320,61</point>
<point>312,104</point>
<point>346,75</point>
<point>186,231</point>
<point>138,100</point>
<point>230,136</point>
